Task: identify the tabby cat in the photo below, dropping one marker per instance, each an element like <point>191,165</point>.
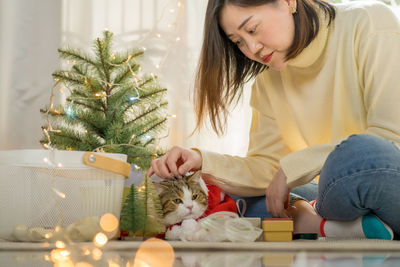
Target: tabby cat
<point>183,199</point>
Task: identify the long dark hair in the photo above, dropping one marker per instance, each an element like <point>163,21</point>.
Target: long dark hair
<point>223,68</point>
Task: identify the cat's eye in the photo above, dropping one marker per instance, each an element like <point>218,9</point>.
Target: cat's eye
<point>195,196</point>
<point>178,201</point>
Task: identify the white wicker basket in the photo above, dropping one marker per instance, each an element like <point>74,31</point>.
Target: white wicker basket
<point>41,188</point>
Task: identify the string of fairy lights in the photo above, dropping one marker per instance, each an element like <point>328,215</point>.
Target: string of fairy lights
<point>172,37</point>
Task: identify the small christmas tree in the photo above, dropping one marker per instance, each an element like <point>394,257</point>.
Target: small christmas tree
<point>154,214</point>
<point>133,214</point>
<point>111,107</point>
<point>142,212</point>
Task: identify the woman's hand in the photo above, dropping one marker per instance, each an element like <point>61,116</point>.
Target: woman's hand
<point>176,162</point>
<point>277,195</point>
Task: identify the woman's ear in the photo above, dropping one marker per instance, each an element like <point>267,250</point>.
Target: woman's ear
<point>292,4</point>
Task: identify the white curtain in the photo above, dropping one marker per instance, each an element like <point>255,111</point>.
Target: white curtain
<point>170,30</point>
<point>29,36</point>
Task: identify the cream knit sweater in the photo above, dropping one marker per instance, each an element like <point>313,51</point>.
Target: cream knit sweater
<point>347,81</point>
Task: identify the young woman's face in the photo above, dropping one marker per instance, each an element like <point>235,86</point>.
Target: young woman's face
<point>263,33</point>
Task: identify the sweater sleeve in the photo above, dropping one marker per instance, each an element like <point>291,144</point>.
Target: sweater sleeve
<point>379,60</point>
<point>249,175</point>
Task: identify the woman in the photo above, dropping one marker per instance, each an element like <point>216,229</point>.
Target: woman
<point>325,101</point>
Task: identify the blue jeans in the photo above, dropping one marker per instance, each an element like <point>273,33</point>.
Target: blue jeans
<point>360,176</point>
<point>256,206</point>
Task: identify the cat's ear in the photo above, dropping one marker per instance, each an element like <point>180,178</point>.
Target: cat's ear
<point>195,177</point>
<point>160,187</point>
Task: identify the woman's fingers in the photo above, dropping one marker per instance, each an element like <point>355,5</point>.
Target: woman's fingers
<point>176,162</point>
<point>277,195</point>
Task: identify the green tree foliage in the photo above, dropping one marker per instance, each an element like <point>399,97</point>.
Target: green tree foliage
<point>154,214</point>
<point>142,211</point>
<point>133,214</point>
<point>112,107</point>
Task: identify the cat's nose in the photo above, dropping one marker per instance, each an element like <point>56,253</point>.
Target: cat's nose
<point>190,207</point>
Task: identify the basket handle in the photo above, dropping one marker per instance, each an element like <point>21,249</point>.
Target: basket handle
<point>107,164</point>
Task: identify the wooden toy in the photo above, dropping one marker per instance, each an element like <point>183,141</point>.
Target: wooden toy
<point>277,229</point>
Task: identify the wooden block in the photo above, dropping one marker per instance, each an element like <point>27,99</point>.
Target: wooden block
<point>277,224</point>
<point>278,236</point>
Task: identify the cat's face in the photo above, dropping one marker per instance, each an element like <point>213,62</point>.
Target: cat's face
<point>182,199</point>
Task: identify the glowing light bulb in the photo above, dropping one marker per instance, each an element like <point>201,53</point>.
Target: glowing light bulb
<point>100,239</point>
<point>70,112</point>
<point>146,137</point>
<point>133,99</point>
<point>137,167</point>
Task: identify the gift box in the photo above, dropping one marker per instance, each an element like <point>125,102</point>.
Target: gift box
<point>277,229</point>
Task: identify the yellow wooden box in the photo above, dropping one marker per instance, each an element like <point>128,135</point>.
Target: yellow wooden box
<point>277,224</point>
<point>278,236</point>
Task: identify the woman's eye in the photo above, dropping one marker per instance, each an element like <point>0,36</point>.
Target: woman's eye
<point>253,30</point>
<point>195,196</point>
<point>238,43</point>
<point>178,201</point>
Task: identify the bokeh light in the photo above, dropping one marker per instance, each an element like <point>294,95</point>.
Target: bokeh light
<point>108,222</point>
<point>100,239</point>
<point>154,252</point>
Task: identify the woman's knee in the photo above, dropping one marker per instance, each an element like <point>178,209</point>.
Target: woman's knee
<point>359,153</point>
<point>354,170</point>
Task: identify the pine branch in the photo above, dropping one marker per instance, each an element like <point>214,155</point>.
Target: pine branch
<point>78,69</point>
<point>145,82</point>
<point>66,76</point>
<point>128,57</point>
<point>124,75</point>
<point>75,54</point>
<point>103,64</point>
<point>149,129</point>
<point>77,118</point>
<point>143,97</point>
<point>149,142</point>
<point>77,102</point>
<point>146,113</point>
<point>153,93</point>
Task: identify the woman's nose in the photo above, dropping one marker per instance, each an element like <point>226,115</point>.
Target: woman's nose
<point>255,47</point>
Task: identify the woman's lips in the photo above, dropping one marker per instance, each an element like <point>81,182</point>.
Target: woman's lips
<point>267,58</point>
